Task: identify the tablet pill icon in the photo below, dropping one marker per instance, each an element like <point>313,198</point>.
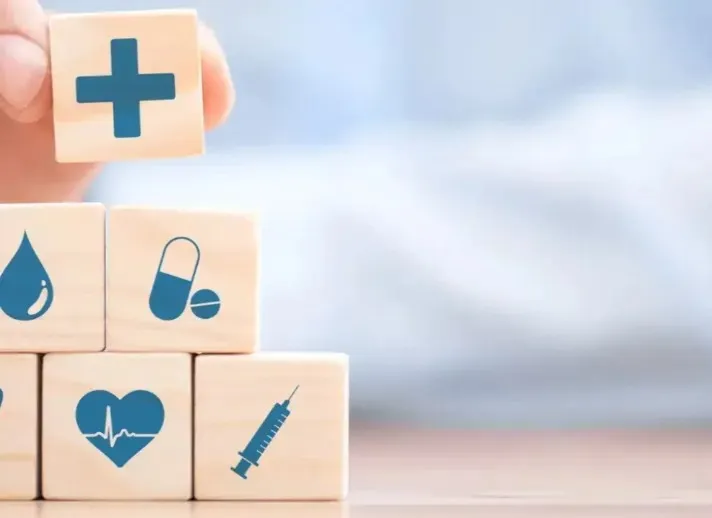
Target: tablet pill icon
<point>173,283</point>
<point>205,304</point>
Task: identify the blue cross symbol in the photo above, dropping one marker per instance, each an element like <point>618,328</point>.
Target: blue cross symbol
<point>125,88</point>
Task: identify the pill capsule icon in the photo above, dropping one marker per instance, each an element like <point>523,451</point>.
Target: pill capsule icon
<point>174,278</point>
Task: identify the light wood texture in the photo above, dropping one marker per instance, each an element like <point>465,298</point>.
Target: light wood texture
<point>228,265</point>
<point>19,426</point>
<point>73,469</point>
<point>167,43</point>
<point>185,510</point>
<point>113,510</point>
<point>308,458</point>
<point>68,239</point>
<point>270,510</point>
<point>406,466</point>
<point>19,509</point>
<point>411,473</point>
<point>337,510</point>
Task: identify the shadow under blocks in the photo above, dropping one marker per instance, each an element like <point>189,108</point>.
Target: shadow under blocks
<point>130,366</point>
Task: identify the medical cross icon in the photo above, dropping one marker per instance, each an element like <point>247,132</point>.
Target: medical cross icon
<point>125,88</point>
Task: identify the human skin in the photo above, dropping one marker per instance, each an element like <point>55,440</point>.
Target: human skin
<point>28,170</point>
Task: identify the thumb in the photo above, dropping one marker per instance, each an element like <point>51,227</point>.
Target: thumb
<point>24,64</point>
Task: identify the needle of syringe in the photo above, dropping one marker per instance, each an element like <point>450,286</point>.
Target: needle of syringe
<point>292,394</point>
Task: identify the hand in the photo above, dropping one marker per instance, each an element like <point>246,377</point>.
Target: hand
<point>28,170</point>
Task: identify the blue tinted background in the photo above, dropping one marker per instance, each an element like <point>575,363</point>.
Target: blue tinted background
<point>500,209</point>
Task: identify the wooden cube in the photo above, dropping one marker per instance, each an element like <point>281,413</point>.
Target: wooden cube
<point>19,409</point>
<point>19,509</point>
<point>271,510</point>
<point>242,403</point>
<point>181,281</point>
<point>52,277</point>
<point>126,85</point>
<point>114,510</point>
<point>117,426</point>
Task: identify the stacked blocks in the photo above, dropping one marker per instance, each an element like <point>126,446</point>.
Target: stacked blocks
<point>129,350</point>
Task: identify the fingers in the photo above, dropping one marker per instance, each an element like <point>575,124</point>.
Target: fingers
<point>24,66</point>
<point>24,17</point>
<point>25,87</point>
<point>218,91</point>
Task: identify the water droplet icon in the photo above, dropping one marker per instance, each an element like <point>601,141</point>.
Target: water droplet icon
<point>26,291</point>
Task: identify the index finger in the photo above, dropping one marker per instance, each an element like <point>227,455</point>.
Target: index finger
<point>24,65</point>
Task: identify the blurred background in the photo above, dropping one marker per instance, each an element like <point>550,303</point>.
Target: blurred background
<point>500,209</point>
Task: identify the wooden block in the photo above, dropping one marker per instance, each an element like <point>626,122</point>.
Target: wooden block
<point>52,277</point>
<point>19,509</point>
<point>115,510</point>
<point>307,458</point>
<point>19,409</point>
<point>151,60</point>
<point>271,510</point>
<point>98,447</point>
<point>181,281</point>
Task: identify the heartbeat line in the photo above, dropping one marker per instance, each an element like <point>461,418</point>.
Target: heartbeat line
<point>108,433</point>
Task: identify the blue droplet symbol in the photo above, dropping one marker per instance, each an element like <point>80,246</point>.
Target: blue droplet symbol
<point>26,291</point>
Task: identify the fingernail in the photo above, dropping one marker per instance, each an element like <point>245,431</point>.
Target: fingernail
<point>23,67</point>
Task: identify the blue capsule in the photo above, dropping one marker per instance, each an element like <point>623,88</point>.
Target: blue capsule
<point>171,289</point>
<point>170,292</point>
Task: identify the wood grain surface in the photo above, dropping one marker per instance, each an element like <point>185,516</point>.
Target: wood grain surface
<point>167,42</point>
<point>215,250</point>
<point>399,472</point>
<point>67,240</point>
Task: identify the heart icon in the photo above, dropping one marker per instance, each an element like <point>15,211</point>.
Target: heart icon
<point>120,428</point>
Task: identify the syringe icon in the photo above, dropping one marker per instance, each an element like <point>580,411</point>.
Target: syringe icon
<point>263,436</point>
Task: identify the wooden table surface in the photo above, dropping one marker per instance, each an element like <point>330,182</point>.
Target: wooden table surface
<point>401,472</point>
